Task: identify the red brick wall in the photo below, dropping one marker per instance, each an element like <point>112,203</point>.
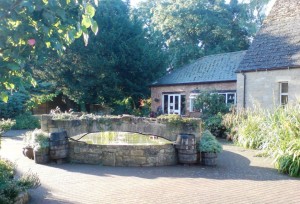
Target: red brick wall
<point>157,92</point>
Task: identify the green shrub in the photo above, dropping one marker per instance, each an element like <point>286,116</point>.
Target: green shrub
<point>6,168</point>
<point>231,122</point>
<point>36,139</point>
<point>6,125</point>
<point>57,114</point>
<point>176,121</point>
<point>10,187</point>
<point>210,104</point>
<point>214,125</point>
<point>288,160</point>
<point>128,106</point>
<point>209,143</point>
<point>16,105</point>
<point>276,132</point>
<point>26,121</point>
<point>213,107</point>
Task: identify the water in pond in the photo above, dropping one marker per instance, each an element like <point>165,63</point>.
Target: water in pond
<point>123,138</point>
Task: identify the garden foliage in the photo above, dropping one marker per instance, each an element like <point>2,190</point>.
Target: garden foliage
<point>11,187</point>
<point>209,143</point>
<point>5,125</point>
<point>212,107</point>
<point>277,133</point>
<point>28,28</point>
<point>14,106</point>
<point>26,121</point>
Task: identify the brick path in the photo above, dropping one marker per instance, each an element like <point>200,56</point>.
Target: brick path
<point>239,178</point>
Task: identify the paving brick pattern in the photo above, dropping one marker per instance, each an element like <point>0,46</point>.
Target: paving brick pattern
<point>239,178</point>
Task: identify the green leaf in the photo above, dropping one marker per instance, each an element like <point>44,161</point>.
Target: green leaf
<point>4,96</point>
<point>71,35</point>
<point>78,34</point>
<point>86,21</point>
<point>90,10</point>
<point>13,66</point>
<point>48,44</point>
<point>9,86</point>
<point>33,82</point>
<point>94,27</point>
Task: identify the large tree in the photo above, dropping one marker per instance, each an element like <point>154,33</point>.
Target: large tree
<point>29,27</point>
<point>194,28</point>
<point>120,61</point>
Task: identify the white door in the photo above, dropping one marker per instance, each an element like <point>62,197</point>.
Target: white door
<point>174,104</point>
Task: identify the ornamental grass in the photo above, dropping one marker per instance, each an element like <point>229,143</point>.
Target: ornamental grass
<point>275,132</point>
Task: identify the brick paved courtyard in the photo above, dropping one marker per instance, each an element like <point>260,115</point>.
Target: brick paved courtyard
<point>239,178</point>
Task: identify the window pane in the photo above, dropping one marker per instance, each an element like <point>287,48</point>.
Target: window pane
<point>284,99</point>
<point>182,105</point>
<point>176,102</point>
<point>230,98</point>
<point>171,99</point>
<point>192,104</point>
<point>284,87</point>
<point>166,103</point>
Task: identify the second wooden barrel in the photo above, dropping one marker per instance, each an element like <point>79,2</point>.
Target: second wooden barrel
<point>186,145</point>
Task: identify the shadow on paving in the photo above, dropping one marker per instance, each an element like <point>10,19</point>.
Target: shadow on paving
<point>230,166</point>
<point>41,194</point>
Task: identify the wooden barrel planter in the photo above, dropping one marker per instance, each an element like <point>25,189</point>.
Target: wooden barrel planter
<point>209,158</point>
<point>41,156</point>
<point>28,152</point>
<point>187,152</point>
<point>58,145</point>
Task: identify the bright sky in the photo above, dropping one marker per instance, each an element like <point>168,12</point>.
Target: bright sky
<point>134,2</point>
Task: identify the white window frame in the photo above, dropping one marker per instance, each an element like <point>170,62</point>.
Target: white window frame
<point>283,94</point>
<point>192,98</point>
<point>179,95</point>
<point>194,95</point>
<point>226,96</point>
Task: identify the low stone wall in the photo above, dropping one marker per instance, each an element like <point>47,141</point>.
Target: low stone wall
<point>151,126</point>
<point>122,155</point>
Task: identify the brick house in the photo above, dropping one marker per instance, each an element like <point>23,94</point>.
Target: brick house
<point>175,92</point>
<point>269,74</point>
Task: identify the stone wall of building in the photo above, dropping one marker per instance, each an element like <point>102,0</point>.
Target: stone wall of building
<point>122,155</point>
<point>263,88</point>
<point>126,123</point>
<point>158,91</point>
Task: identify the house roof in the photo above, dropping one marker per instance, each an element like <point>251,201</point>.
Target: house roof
<point>212,68</point>
<point>277,44</point>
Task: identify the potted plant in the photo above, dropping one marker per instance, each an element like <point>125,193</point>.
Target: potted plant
<point>28,145</point>
<point>41,146</point>
<point>36,146</point>
<point>209,147</point>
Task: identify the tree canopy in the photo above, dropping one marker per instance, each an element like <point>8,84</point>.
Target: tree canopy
<point>119,63</point>
<point>39,40</point>
<point>29,27</point>
<point>194,28</point>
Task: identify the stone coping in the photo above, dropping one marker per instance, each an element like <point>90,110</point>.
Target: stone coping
<point>126,123</point>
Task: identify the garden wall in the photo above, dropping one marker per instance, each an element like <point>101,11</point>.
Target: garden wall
<point>122,155</point>
<point>127,123</point>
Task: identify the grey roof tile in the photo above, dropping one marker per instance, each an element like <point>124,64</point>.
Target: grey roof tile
<point>277,44</point>
<point>213,68</point>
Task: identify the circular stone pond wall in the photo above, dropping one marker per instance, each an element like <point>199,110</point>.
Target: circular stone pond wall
<point>121,152</point>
